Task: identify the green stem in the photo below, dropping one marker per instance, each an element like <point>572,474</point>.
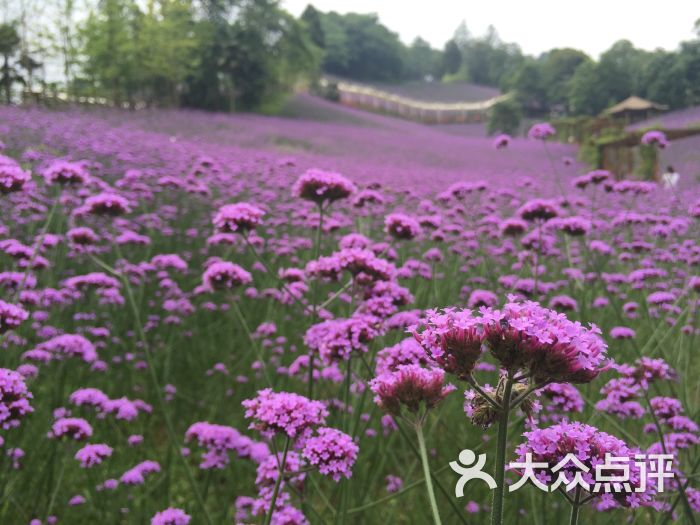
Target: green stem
<point>174,441</point>
<point>426,473</point>
<point>280,475</point>
<point>317,253</point>
<point>499,471</point>
<point>575,507</point>
<point>239,315</point>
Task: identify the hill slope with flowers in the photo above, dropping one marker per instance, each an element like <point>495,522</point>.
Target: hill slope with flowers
<point>203,321</point>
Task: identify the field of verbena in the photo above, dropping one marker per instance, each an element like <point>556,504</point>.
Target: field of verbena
<point>172,352</point>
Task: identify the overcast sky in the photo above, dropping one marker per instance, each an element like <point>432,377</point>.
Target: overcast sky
<point>537,25</point>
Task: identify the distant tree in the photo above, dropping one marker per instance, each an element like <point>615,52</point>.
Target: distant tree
<point>664,79</point>
<point>461,36</point>
<point>586,96</point>
<point>110,44</point>
<point>689,61</point>
<point>312,18</point>
<point>620,69</point>
<point>165,50</point>
<point>358,46</point>
<point>504,117</point>
<point>9,45</point>
<point>558,66</point>
<point>530,88</point>
<point>422,60</point>
<point>451,57</point>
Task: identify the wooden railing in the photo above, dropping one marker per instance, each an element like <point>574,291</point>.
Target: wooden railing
<point>381,101</point>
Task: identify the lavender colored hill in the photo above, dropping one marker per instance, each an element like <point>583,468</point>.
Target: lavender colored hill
<point>682,118</point>
<point>433,91</point>
<point>364,146</point>
<point>682,154</point>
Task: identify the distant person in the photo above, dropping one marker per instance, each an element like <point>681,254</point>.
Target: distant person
<point>670,178</point>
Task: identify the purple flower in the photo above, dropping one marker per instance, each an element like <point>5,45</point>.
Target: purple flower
<point>11,316</point>
<point>137,474</point>
<point>70,345</point>
<point>541,131</point>
<point>285,412</point>
<point>12,178</point>
<point>72,427</point>
<point>91,455</point>
<point>225,275</point>
<point>551,347</point>
<point>401,226</point>
<point>410,386</point>
<point>502,141</point>
<point>451,338</point>
<point>622,332</point>
<point>655,138</point>
<point>332,452</point>
<point>66,173</point>
<point>104,204</point>
<point>322,186</point>
<point>14,399</point>
<point>539,210</point>
<point>590,447</point>
<point>171,516</point>
<point>240,217</point>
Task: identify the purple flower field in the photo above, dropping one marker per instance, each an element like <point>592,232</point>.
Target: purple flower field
<point>322,318</point>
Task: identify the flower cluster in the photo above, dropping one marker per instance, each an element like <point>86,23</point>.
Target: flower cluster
<point>541,131</point>
<point>284,412</point>
<point>333,452</point>
<point>65,173</point>
<point>322,186</point>
<point>410,386</point>
<point>14,398</point>
<point>589,446</point>
<point>240,217</point>
<point>11,316</point>
<point>655,138</point>
<point>171,516</point>
<point>91,455</point>
<point>224,275</point>
<point>452,338</point>
<point>401,226</point>
<point>12,177</point>
<point>219,440</point>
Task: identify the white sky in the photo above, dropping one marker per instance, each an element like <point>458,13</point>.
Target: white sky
<point>537,25</point>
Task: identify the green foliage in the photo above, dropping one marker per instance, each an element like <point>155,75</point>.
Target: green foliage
<point>9,45</point>
<point>226,55</point>
<point>505,117</point>
<point>586,96</point>
<point>451,58</point>
<point>360,47</point>
<point>558,66</point>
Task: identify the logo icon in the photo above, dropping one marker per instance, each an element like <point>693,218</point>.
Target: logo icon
<point>467,472</point>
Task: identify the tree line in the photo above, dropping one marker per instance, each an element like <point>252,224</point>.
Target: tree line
<point>250,54</point>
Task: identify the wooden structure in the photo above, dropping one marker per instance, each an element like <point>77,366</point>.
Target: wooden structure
<point>621,155</point>
<point>634,109</point>
<point>381,101</point>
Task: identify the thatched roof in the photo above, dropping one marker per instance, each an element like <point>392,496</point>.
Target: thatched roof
<point>633,104</point>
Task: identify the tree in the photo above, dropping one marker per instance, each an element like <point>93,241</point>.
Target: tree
<point>451,58</point>
<point>665,80</point>
<point>110,39</point>
<point>529,87</point>
<point>9,45</point>
<point>312,18</point>
<point>558,67</point>
<point>359,47</point>
<point>422,60</point>
<point>504,117</point>
<point>585,94</point>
